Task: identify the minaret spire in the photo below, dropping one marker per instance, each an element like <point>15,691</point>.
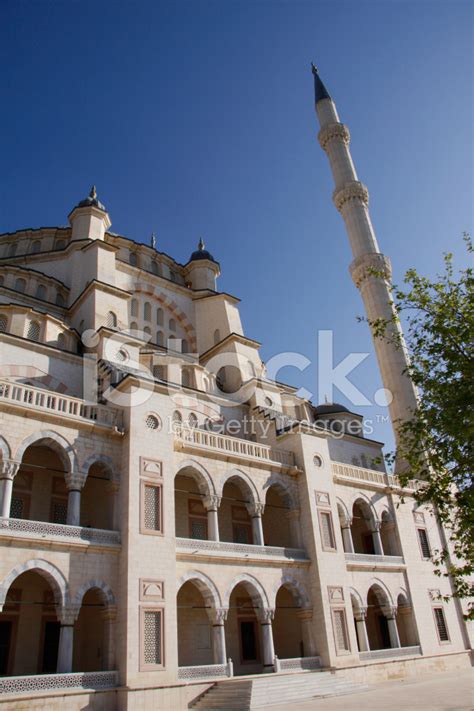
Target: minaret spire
<point>370,269</point>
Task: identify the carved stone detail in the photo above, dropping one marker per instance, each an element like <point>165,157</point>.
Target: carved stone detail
<point>360,614</point>
<point>419,517</point>
<point>306,613</point>
<point>335,131</point>
<point>362,267</point>
<point>8,469</point>
<point>218,615</point>
<point>322,498</point>
<point>68,614</point>
<point>212,502</point>
<point>255,509</point>
<point>354,190</point>
<point>75,480</point>
<point>151,467</point>
<point>151,590</point>
<point>335,594</point>
<point>265,614</point>
<point>390,611</point>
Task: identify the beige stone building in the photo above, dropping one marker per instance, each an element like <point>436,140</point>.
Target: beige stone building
<point>170,517</point>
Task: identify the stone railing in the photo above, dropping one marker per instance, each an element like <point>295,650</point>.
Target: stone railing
<point>206,671</point>
<point>53,682</point>
<point>370,477</point>
<point>233,448</point>
<point>63,406</point>
<point>297,664</point>
<point>43,530</point>
<point>238,550</point>
<point>392,653</point>
<point>376,560</point>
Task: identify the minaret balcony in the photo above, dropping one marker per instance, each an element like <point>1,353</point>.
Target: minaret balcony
<point>46,404</point>
<point>219,446</point>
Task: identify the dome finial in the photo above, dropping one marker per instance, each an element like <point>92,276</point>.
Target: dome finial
<point>93,193</point>
<point>153,240</point>
<point>201,245</point>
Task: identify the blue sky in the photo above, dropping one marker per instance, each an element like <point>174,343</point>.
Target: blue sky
<point>197,119</point>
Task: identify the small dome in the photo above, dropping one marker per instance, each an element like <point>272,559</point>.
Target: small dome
<point>201,253</point>
<point>330,408</point>
<point>92,200</point>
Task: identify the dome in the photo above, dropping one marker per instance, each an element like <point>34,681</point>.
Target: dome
<point>92,200</point>
<point>330,408</point>
<point>201,253</point>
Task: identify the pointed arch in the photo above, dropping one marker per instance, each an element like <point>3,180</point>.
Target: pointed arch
<point>47,570</point>
<point>104,589</point>
<point>287,493</point>
<point>5,450</point>
<point>295,587</point>
<point>57,442</point>
<point>381,592</point>
<point>190,467</point>
<point>362,500</point>
<point>98,459</point>
<point>356,599</point>
<point>204,584</point>
<point>238,476</point>
<point>254,588</point>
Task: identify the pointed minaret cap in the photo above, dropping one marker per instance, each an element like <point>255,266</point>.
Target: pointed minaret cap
<point>89,219</point>
<point>153,240</point>
<point>320,91</point>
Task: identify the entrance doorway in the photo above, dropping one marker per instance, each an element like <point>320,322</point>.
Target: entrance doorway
<point>248,642</point>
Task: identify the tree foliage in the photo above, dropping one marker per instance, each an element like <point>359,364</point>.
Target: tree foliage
<point>438,442</point>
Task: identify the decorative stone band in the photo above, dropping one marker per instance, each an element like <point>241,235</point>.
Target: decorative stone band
<point>299,664</point>
<point>369,266</point>
<point>390,653</point>
<point>350,192</point>
<point>40,529</point>
<point>222,547</point>
<point>334,132</point>
<point>207,671</point>
<point>50,682</point>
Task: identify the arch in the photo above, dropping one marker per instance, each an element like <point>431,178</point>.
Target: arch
<point>195,470</point>
<point>356,599</point>
<point>381,592</point>
<point>105,591</point>
<point>287,494</point>
<point>236,476</point>
<point>360,498</point>
<point>402,597</point>
<point>172,306</point>
<point>57,443</point>
<point>342,508</point>
<point>97,459</point>
<point>5,450</point>
<point>254,588</point>
<point>205,586</point>
<point>295,587</point>
<point>49,571</point>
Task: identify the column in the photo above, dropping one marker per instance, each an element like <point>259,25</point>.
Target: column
<point>305,616</point>
<point>8,470</point>
<point>256,510</point>
<point>346,532</point>
<point>361,627</point>
<point>377,539</point>
<point>112,490</point>
<point>212,503</point>
<point>218,617</point>
<point>265,616</point>
<point>390,613</point>
<point>74,484</point>
<point>293,517</point>
<point>109,615</point>
<point>67,617</point>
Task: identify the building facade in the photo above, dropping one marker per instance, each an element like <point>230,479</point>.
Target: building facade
<point>169,515</point>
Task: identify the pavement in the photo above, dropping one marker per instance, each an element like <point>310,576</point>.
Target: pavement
<point>453,691</point>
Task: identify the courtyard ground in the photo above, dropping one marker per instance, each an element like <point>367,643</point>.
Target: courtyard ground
<point>452,691</point>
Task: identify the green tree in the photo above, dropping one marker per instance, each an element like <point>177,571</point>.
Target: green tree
<point>437,443</point>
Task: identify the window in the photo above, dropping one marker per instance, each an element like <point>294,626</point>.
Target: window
<point>197,519</point>
<point>155,269</point>
<point>152,638</point>
<point>20,285</point>
<point>317,461</point>
<point>159,372</point>
<point>36,247</point>
<point>241,525</point>
<point>12,250</point>
<point>41,292</point>
<point>134,307</point>
<point>217,336</point>
<point>147,311</point>
<point>60,300</point>
<point>159,317</point>
<point>186,378</point>
<point>111,319</point>
<point>34,330</point>
<point>152,422</point>
<point>192,420</point>
<point>160,338</point>
<point>341,638</point>
<point>60,244</point>
<point>133,259</point>
<point>327,531</point>
<point>441,624</point>
<point>424,543</point>
<point>61,341</point>
<point>184,346</point>
<point>3,323</point>
<point>151,508</point>
<point>177,420</point>
<point>172,324</point>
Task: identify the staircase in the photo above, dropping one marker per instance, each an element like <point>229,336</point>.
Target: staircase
<point>269,690</point>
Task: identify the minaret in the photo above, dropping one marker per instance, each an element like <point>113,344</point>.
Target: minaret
<point>351,198</point>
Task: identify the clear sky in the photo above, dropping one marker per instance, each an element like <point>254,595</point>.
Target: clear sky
<point>197,119</point>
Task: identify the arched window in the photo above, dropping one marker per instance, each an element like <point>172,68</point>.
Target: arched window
<point>36,247</point>
<point>177,418</point>
<point>134,326</point>
<point>147,330</point>
<point>20,285</point>
<point>155,268</point>
<point>1,281</point>
<point>192,420</point>
<point>172,275</point>
<point>217,336</point>
<point>111,319</point>
<point>132,258</point>
<point>60,244</point>
<point>147,311</point>
<point>186,378</point>
<point>60,299</point>
<point>172,324</point>
<point>159,317</point>
<point>61,340</point>
<point>160,338</point>
<point>134,307</point>
<point>3,323</point>
<point>33,332</point>
<point>12,250</point>
<point>41,292</point>
<point>159,372</point>
<point>184,346</point>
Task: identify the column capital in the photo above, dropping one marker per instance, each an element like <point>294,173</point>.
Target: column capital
<point>68,614</point>
<point>345,520</point>
<point>265,614</point>
<point>306,613</point>
<point>351,191</point>
<point>390,611</point>
<point>8,469</point>
<point>376,526</point>
<point>212,502</point>
<point>334,132</point>
<point>75,480</point>
<point>255,509</point>
<point>218,615</point>
<point>360,614</point>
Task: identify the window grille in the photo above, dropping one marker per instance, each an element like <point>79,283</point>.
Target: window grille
<point>441,624</point>
<point>111,319</point>
<point>152,422</point>
<point>327,533</point>
<point>152,636</point>
<point>3,323</point>
<point>340,631</point>
<point>33,333</point>
<point>424,543</point>
<point>59,512</point>
<point>152,507</point>
<point>17,508</point>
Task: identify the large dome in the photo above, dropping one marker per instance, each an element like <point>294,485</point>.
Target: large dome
<point>330,408</point>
